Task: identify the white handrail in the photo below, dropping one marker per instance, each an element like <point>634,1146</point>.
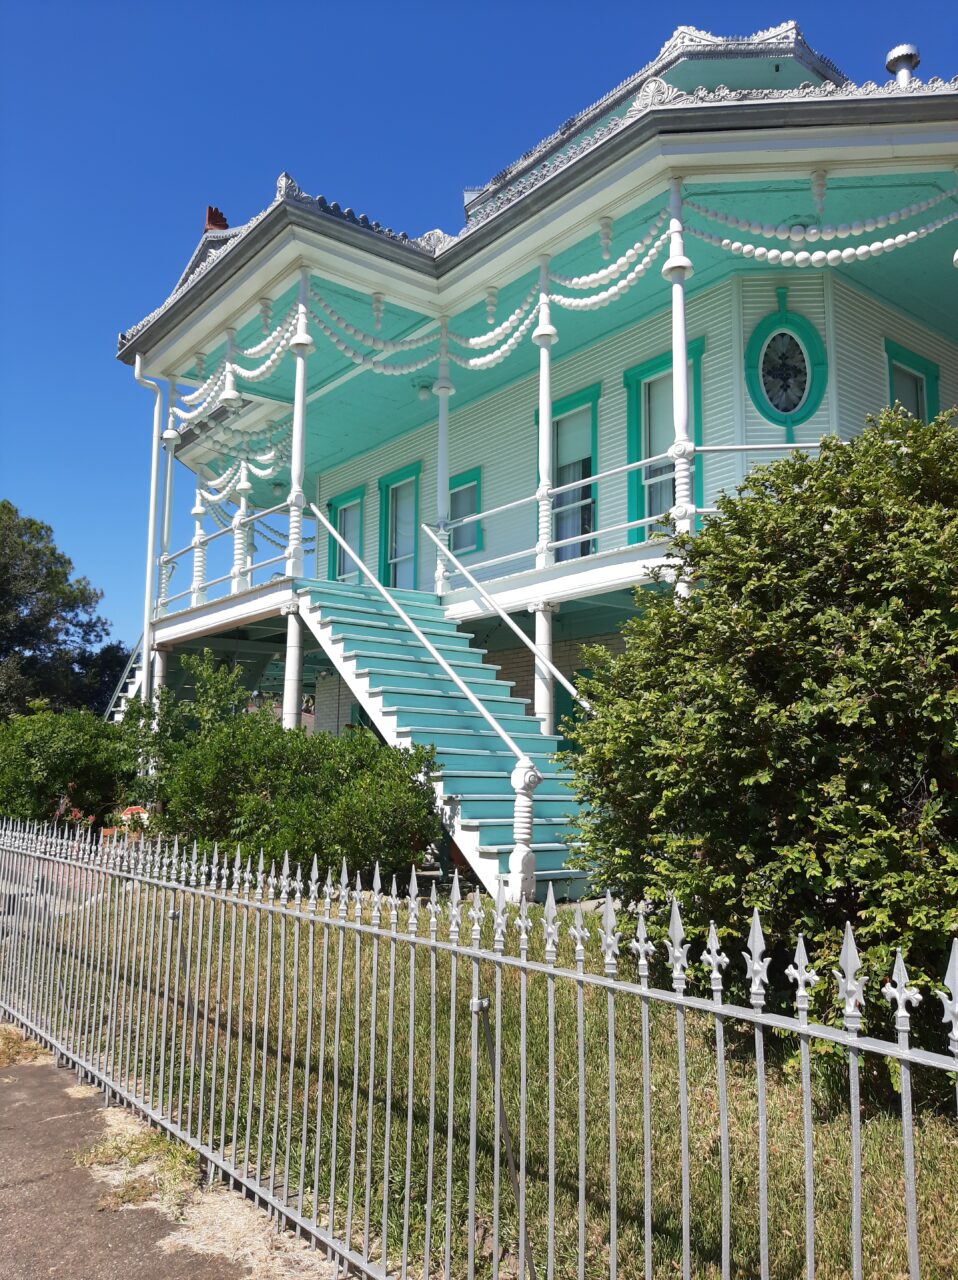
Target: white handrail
<point>553,670</point>
<point>423,640</point>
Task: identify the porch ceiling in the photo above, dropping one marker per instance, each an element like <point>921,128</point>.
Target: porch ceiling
<point>351,410</point>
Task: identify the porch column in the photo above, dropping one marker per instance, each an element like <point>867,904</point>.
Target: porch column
<point>301,345</point>
<point>443,389</point>
<point>170,440</point>
<point>677,269</point>
<point>544,336</point>
<point>160,669</point>
<point>543,684</point>
<point>148,591</point>
<point>293,671</point>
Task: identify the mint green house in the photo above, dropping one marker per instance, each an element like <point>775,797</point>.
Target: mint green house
<point>423,471</point>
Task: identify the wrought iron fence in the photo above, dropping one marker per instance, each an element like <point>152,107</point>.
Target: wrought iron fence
<point>435,1086</point>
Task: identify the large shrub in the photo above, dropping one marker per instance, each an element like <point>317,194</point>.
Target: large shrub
<point>787,736</point>
<point>62,765</point>
<point>221,773</point>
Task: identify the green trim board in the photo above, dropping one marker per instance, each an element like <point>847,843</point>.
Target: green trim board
<point>333,507</point>
<point>809,339</point>
<point>473,475</point>
<point>895,353</point>
<point>634,380</point>
<point>386,483</point>
<point>585,397</point>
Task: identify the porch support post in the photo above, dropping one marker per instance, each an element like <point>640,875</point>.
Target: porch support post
<point>677,269</point>
<point>544,685</point>
<point>293,672</point>
<point>301,345</point>
<point>544,336</point>
<point>170,440</point>
<point>147,642</point>
<point>443,389</point>
<point>160,670</point>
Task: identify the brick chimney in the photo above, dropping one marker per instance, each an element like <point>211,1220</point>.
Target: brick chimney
<point>215,221</point>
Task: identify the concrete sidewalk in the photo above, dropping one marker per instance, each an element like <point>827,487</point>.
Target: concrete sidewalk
<point>50,1223</point>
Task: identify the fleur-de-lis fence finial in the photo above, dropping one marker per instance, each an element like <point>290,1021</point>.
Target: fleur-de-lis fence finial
<point>377,897</point>
<point>715,960</point>
<point>432,906</point>
<point>805,978</point>
<point>949,998</point>
<point>260,878</point>
<point>609,937</point>
<point>284,880</point>
<point>677,949</point>
<point>756,962</point>
<point>328,893</point>
<point>550,925</point>
<point>312,892</point>
<point>343,907</point>
<point>476,915</point>
<point>298,886</point>
<point>851,988</point>
<point>580,935</point>
<point>523,925</point>
<point>412,920</point>
<point>641,947</point>
<point>898,993</point>
<point>237,872</point>
<point>455,909</point>
<point>392,902</point>
<point>271,881</point>
<point>358,900</point>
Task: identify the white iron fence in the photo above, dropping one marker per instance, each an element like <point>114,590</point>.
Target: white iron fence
<point>502,1095</point>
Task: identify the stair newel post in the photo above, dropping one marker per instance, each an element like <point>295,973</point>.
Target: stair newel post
<point>198,587</point>
<point>442,388</point>
<point>293,670</point>
<point>543,683</point>
<point>677,269</point>
<point>239,574</point>
<point>522,861</point>
<point>544,336</point>
<point>301,344</point>
<point>170,440</point>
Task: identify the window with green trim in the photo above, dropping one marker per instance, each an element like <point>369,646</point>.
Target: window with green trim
<point>399,527</point>
<point>786,370</point>
<point>575,434</point>
<point>650,431</point>
<point>346,516</point>
<point>465,499</point>
<point>912,381</point>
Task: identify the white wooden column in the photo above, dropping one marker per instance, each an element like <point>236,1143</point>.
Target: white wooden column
<point>544,336</point>
<point>543,681</point>
<point>171,438</point>
<point>149,584</point>
<point>301,345</point>
<point>677,269</point>
<point>293,671</point>
<point>160,670</point>
<point>443,389</point>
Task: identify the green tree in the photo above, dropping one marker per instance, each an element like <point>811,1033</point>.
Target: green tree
<point>68,765</point>
<point>51,637</point>
<point>787,736</point>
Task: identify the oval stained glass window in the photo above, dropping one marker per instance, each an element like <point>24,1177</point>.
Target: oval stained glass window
<point>784,370</point>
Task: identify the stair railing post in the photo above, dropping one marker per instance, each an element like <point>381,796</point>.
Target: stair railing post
<point>522,861</point>
<point>301,344</point>
<point>442,388</point>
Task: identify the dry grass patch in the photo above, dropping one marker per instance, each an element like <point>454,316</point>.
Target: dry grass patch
<point>16,1048</point>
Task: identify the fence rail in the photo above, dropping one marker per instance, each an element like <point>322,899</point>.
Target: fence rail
<point>452,1087</point>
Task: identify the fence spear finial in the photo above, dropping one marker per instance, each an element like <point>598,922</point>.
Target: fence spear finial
<point>756,962</point>
<point>900,994</point>
<point>851,988</point>
<point>551,926</point>
<point>804,976</point>
<point>714,959</point>
<point>949,997</point>
<point>677,948</point>
<point>609,937</point>
<point>455,908</point>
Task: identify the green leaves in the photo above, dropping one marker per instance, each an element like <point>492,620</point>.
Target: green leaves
<point>787,737</point>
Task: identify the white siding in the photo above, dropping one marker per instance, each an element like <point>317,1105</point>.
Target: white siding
<point>861,327</point>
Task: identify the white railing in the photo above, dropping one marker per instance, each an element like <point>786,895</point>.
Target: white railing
<point>493,604</point>
<point>601,539</point>
<point>238,564</point>
<point>525,776</point>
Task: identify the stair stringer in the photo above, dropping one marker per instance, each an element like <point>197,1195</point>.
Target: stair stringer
<point>484,866</point>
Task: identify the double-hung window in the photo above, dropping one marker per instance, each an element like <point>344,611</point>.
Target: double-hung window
<point>658,432</point>
<point>346,516</point>
<point>912,381</point>
<point>573,447</point>
<point>399,527</point>
<point>465,492</point>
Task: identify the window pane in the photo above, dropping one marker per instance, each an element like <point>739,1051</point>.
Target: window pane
<point>464,501</point>
<point>402,533</point>
<point>574,509</point>
<point>348,523</point>
<point>909,388</point>
<point>659,480</point>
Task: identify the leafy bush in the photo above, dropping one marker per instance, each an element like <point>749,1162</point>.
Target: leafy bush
<point>219,773</point>
<point>787,737</point>
<point>67,764</point>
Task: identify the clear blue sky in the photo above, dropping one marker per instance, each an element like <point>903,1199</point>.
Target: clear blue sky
<point>119,123</point>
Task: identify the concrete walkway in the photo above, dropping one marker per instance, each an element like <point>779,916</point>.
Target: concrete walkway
<point>50,1225</point>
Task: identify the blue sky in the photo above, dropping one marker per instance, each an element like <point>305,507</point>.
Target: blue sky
<point>120,123</point>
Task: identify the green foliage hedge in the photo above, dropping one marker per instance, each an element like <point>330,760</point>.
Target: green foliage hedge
<point>787,736</point>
